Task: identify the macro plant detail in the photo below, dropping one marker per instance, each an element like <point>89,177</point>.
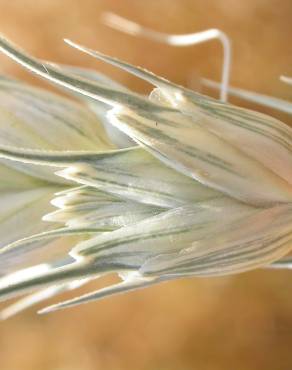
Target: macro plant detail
<point>152,188</point>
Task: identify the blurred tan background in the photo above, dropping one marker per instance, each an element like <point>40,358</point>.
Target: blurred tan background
<point>233,323</point>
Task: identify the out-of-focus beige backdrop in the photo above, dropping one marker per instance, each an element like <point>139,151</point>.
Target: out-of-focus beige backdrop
<point>232,323</point>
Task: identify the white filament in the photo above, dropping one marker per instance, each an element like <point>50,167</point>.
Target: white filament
<point>287,80</point>
<point>124,25</point>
